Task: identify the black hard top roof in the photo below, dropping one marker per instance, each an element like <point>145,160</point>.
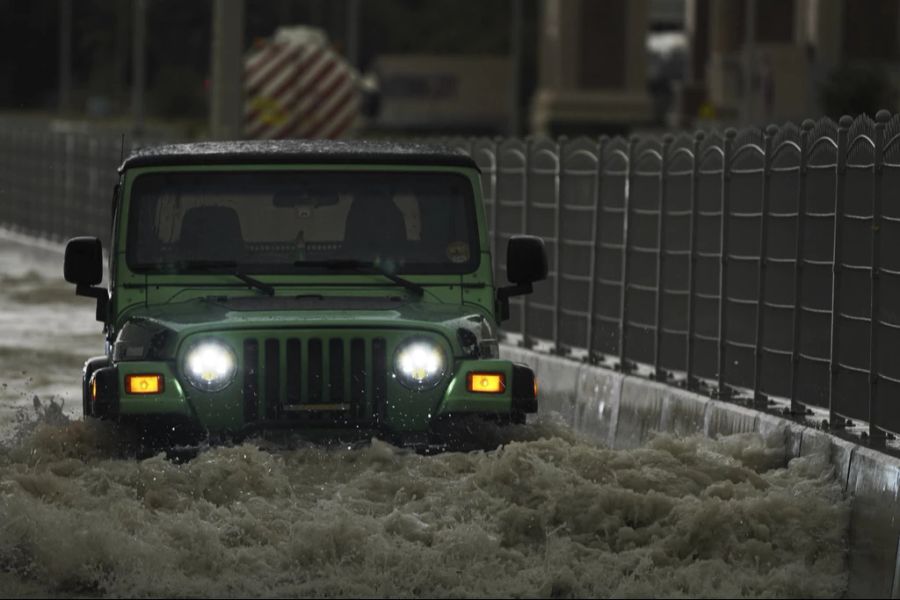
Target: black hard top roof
<point>298,151</point>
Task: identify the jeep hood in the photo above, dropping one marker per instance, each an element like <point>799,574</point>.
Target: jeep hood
<point>212,314</point>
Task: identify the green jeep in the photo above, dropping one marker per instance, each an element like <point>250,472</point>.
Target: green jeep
<point>343,290</point>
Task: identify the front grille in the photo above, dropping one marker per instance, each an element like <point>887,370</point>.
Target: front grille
<point>273,379</point>
<point>315,378</point>
<point>251,381</point>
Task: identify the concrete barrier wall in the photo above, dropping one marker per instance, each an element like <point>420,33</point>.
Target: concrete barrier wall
<point>622,412</point>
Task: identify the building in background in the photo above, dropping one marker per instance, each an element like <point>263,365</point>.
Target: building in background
<point>619,65</point>
<point>609,66</point>
<point>592,70</point>
<point>445,93</point>
<point>757,61</point>
<point>442,66</point>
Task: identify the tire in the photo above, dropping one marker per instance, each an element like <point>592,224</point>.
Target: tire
<point>90,366</point>
<point>85,396</point>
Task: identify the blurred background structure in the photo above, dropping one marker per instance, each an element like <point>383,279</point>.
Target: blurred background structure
<point>747,264</point>
<point>445,66</point>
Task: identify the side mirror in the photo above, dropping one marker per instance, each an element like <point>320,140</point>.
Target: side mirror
<point>526,259</point>
<point>84,267</point>
<point>84,261</point>
<point>526,262</point>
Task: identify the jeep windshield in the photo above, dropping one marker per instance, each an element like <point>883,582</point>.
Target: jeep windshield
<point>302,222</point>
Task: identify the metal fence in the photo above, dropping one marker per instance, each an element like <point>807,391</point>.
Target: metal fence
<point>57,177</point>
<point>756,264</point>
<point>718,260</point>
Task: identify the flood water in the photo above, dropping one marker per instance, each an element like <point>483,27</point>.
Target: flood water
<point>544,515</point>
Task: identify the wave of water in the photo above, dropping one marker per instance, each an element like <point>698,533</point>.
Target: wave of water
<point>544,515</point>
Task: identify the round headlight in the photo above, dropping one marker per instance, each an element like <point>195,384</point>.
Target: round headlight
<point>210,365</point>
<point>419,364</point>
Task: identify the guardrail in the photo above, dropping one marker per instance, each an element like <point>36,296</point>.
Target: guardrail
<point>717,260</point>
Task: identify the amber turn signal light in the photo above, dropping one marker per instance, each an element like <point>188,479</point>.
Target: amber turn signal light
<point>487,383</point>
<point>144,384</point>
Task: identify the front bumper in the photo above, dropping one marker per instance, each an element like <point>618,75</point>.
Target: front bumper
<point>257,400</point>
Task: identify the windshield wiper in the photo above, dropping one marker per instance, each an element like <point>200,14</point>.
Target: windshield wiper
<point>231,268</point>
<point>253,282</point>
<point>361,266</point>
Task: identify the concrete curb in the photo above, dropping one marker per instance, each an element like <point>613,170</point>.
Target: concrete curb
<point>622,412</point>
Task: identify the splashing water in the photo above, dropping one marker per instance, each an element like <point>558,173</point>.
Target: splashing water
<point>544,515</point>
<point>47,332</point>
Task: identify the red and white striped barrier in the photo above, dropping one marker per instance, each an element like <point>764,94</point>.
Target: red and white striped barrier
<point>297,86</point>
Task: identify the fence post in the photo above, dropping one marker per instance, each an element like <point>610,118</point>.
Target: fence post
<point>691,382</point>
<point>595,239</point>
<point>557,215</point>
<point>658,372</point>
<point>834,420</point>
<point>624,364</point>
<point>805,128</point>
<point>5,176</point>
<point>759,399</point>
<point>876,435</point>
<point>722,390</point>
<point>95,196</point>
<point>495,237</point>
<point>526,340</point>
